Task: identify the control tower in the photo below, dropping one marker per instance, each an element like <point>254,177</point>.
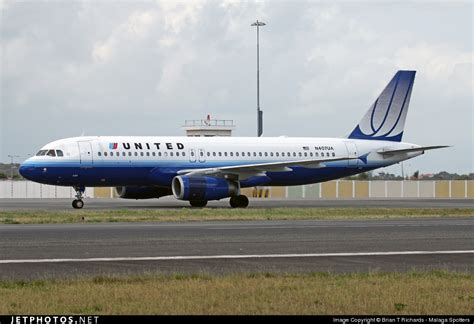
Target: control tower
<point>209,127</point>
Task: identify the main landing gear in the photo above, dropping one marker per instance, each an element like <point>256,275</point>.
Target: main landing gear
<point>78,203</point>
<point>239,201</point>
<point>198,203</point>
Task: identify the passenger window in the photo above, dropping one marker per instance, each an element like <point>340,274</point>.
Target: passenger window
<point>236,153</point>
<point>105,153</point>
<point>147,153</point>
<point>220,153</point>
<point>59,153</point>
<point>225,153</point>
<point>271,153</point>
<point>153,153</point>
<point>248,154</point>
<point>171,153</point>
<point>327,154</point>
<point>299,154</point>
<point>213,153</point>
<point>259,153</point>
<point>266,153</point>
<point>136,153</point>
<point>129,153</point>
<point>159,153</point>
<point>333,154</point>
<point>231,153</point>
<point>141,153</point>
<point>305,154</point>
<point>277,154</point>
<point>288,154</point>
<point>311,154</point>
<point>124,153</point>
<point>254,153</point>
<point>294,153</point>
<point>201,153</point>
<point>183,154</point>
<point>51,153</point>
<point>316,154</point>
<point>99,154</point>
<point>192,153</point>
<point>117,153</point>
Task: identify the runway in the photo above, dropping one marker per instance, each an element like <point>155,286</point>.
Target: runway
<point>39,251</point>
<point>170,203</point>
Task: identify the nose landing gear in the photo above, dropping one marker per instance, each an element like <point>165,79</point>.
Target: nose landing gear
<point>78,203</point>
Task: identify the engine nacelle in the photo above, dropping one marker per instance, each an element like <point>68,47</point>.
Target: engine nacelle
<point>142,192</point>
<point>203,188</point>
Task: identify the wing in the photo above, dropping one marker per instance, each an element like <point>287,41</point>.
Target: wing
<point>388,151</point>
<point>259,169</point>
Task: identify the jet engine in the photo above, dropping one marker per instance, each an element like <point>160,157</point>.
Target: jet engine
<point>202,188</point>
<point>142,192</point>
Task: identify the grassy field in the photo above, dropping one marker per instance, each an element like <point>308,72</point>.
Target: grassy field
<point>210,214</point>
<point>435,292</point>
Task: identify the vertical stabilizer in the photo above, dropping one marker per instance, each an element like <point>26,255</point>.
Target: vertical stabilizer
<point>385,120</point>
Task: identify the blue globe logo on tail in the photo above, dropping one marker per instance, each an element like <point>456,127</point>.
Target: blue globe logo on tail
<point>385,120</point>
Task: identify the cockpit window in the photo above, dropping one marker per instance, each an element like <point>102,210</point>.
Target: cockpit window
<point>59,153</point>
<point>51,153</point>
<point>41,152</point>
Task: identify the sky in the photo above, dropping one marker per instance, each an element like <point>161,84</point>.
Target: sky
<point>71,68</point>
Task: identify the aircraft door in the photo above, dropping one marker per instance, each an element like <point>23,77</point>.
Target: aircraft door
<point>192,155</point>
<point>202,155</point>
<point>352,152</point>
<point>85,153</point>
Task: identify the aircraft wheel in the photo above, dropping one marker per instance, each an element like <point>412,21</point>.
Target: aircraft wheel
<point>240,201</point>
<point>198,203</point>
<point>77,204</point>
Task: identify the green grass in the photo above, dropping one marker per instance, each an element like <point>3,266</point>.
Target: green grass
<point>436,292</point>
<point>211,214</point>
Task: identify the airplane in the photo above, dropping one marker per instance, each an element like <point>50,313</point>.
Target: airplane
<point>200,169</point>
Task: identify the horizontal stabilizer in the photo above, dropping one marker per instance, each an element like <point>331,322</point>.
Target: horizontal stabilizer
<point>388,151</point>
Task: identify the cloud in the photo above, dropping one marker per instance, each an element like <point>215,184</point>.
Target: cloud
<point>141,68</point>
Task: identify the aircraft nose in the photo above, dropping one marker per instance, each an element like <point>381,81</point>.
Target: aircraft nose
<point>26,171</point>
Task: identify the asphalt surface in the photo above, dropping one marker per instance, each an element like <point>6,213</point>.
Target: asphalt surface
<point>228,247</point>
<point>170,203</point>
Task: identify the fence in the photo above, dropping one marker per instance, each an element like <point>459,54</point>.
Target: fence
<point>340,189</point>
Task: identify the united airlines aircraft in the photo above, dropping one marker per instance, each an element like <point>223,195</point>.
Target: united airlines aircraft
<point>199,169</point>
